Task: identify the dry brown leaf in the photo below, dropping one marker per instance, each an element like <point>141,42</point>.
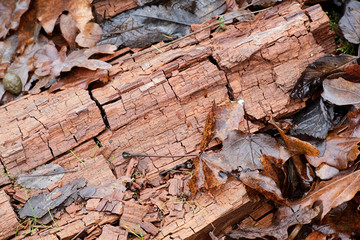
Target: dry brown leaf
<point>296,145</point>
<point>327,196</point>
<point>209,130</point>
<point>341,92</point>
<point>23,64</point>
<point>11,11</point>
<point>29,28</point>
<point>80,77</point>
<point>353,128</point>
<point>264,185</point>
<point>353,70</point>
<point>50,62</point>
<point>48,12</point>
<point>332,193</point>
<point>68,29</point>
<point>227,118</point>
<point>338,153</point>
<point>90,36</point>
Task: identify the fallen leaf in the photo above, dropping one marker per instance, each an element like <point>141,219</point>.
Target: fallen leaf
<point>228,118</point>
<point>50,62</point>
<point>39,205</point>
<point>264,185</point>
<point>341,92</point>
<point>314,121</point>
<point>209,130</point>
<point>147,25</point>
<point>244,151</point>
<point>151,24</point>
<point>327,196</point>
<point>343,219</point>
<point>353,70</point>
<point>349,22</point>
<point>304,171</point>
<point>296,145</point>
<point>310,81</point>
<point>81,78</point>
<point>353,128</point>
<point>90,36</point>
<point>41,177</point>
<point>11,11</point>
<point>48,12</point>
<point>68,29</point>
<point>338,153</point>
<point>220,121</point>
<point>283,219</point>
<point>23,64</point>
<point>326,172</point>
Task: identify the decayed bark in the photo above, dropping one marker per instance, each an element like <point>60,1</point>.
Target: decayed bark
<point>157,104</point>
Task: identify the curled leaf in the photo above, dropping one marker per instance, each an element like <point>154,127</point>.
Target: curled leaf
<point>312,77</point>
<point>341,92</point>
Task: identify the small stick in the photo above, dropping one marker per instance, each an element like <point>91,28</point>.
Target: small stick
<point>48,174</point>
<point>131,155</point>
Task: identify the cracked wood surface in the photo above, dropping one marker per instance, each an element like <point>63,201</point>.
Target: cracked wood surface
<point>158,103</point>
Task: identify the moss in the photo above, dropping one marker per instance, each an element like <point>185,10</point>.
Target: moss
<point>343,45</point>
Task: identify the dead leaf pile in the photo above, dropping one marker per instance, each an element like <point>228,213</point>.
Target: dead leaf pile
<point>321,148</point>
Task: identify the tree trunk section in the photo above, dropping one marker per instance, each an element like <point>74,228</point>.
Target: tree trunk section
<point>157,104</point>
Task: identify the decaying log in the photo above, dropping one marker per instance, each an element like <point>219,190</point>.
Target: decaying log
<point>157,103</point>
<point>8,219</point>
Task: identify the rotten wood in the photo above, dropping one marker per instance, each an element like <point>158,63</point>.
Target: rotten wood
<point>157,104</point>
<point>8,220</point>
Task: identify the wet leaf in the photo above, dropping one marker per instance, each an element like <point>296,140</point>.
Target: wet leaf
<point>310,81</point>
<point>304,171</point>
<point>151,24</point>
<point>314,121</point>
<point>227,118</point>
<point>353,128</point>
<point>11,11</point>
<point>327,196</point>
<point>283,219</point>
<point>80,77</point>
<point>147,25</point>
<point>270,181</point>
<point>353,70</point>
<point>41,177</point>
<point>296,145</point>
<point>349,22</point>
<point>39,205</point>
<point>338,153</point>
<point>343,219</point>
<point>244,151</point>
<point>326,172</point>
<point>341,92</point>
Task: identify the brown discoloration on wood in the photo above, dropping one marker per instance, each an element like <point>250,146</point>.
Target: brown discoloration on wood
<point>110,8</point>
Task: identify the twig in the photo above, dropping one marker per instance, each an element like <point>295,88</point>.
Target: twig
<point>78,234</point>
<point>131,155</point>
<point>48,174</point>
